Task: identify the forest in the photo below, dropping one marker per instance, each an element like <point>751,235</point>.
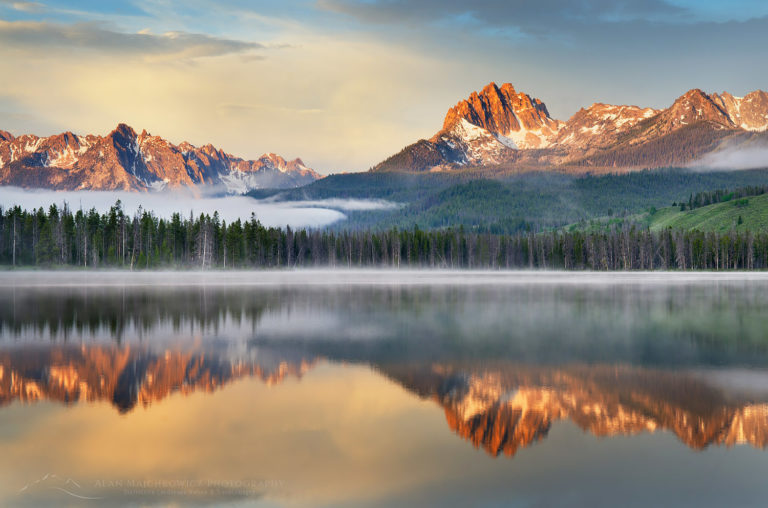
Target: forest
<point>61,237</point>
<point>721,196</point>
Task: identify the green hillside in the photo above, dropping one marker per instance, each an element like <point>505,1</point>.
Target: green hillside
<point>750,213</point>
<point>742,214</point>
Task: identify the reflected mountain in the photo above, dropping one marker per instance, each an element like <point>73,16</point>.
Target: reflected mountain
<point>508,407</point>
<point>499,407</point>
<point>130,376</point>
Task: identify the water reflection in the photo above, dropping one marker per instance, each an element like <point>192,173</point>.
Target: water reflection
<point>127,376</point>
<point>502,367</point>
<point>507,407</point>
<point>499,407</point>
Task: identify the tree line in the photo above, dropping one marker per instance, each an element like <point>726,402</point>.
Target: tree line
<point>115,239</point>
<point>721,196</point>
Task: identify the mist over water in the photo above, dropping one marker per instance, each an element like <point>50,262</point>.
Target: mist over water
<point>271,212</point>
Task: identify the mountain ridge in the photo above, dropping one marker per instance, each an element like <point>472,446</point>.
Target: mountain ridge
<point>131,161</point>
<point>500,126</point>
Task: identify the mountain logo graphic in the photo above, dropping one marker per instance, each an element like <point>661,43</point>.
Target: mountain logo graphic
<point>53,482</point>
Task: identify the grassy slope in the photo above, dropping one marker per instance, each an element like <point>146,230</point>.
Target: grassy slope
<point>719,217</point>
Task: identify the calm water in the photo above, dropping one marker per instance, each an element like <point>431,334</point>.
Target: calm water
<point>380,389</point>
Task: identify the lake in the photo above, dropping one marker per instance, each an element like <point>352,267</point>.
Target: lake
<point>382,388</point>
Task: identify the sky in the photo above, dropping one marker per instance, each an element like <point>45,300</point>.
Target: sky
<point>345,83</point>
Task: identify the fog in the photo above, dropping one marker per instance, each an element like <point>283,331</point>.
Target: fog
<point>734,158</point>
<point>297,214</point>
<point>340,204</point>
<point>375,277</point>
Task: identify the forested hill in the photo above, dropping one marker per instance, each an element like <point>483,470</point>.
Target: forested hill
<point>530,201</point>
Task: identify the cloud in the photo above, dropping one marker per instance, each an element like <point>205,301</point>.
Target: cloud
<point>33,36</point>
<point>348,205</point>
<point>28,7</point>
<point>529,17</point>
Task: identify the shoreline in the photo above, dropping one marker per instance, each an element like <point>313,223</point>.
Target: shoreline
<point>367,277</point>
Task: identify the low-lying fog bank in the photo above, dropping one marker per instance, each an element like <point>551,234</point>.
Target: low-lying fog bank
<point>386,277</point>
<point>271,212</point>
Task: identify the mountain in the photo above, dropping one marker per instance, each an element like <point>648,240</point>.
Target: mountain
<point>125,160</point>
<point>500,127</point>
<point>749,112</point>
<point>600,125</point>
<point>490,127</point>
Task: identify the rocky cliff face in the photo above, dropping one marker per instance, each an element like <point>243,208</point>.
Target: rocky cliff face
<point>125,160</point>
<point>502,127</point>
<point>749,112</point>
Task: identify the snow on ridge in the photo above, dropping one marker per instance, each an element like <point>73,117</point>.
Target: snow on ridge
<point>32,146</point>
<point>508,142</point>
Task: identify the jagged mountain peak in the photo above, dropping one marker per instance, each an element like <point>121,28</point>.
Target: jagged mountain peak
<point>756,95</point>
<point>123,130</point>
<point>501,110</point>
<point>695,93</point>
<point>600,125</point>
<point>125,160</point>
<point>273,158</point>
<point>693,107</point>
<point>749,112</point>
<point>701,105</point>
